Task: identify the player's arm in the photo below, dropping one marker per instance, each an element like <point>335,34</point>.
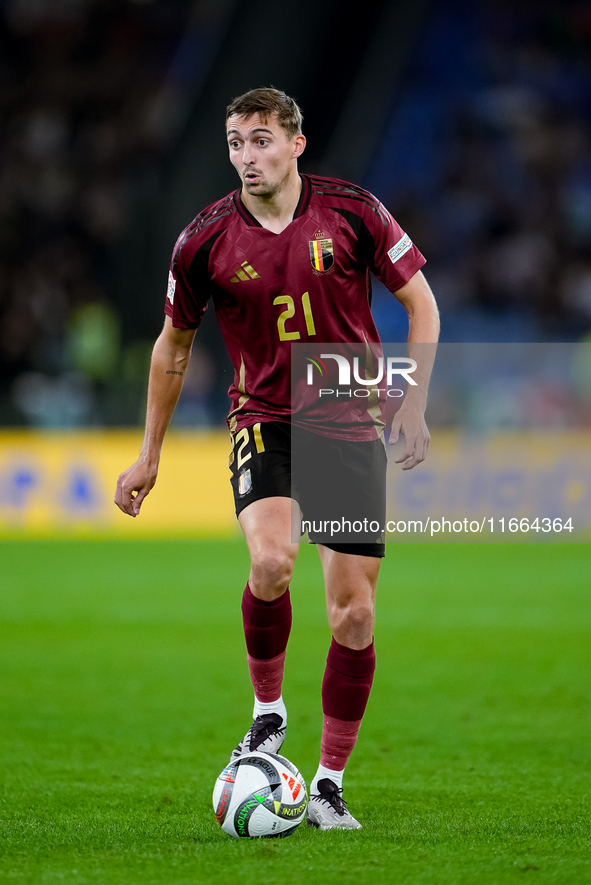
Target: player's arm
<point>170,358</point>
<point>423,318</point>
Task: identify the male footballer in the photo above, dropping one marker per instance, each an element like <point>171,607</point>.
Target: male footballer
<point>286,258</point>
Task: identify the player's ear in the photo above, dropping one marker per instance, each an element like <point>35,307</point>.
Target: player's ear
<point>299,143</point>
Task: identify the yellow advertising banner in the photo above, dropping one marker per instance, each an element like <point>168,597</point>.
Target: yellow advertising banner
<point>497,485</point>
<point>63,484</point>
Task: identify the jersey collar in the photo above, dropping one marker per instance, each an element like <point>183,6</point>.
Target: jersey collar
<point>300,209</point>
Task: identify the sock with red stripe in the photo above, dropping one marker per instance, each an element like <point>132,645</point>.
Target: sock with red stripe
<point>267,626</point>
<point>345,691</point>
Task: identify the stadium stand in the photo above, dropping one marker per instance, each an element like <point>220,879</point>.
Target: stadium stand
<point>484,157</point>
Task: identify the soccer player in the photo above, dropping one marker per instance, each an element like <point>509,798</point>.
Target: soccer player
<point>287,258</point>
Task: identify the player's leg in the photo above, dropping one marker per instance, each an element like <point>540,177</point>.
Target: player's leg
<point>267,529</point>
<point>266,612</point>
<point>350,581</point>
<point>261,481</point>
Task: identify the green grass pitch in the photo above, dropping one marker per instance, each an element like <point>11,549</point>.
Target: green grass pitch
<point>124,687</point>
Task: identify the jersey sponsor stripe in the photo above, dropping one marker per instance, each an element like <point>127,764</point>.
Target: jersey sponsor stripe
<point>326,184</point>
<point>374,207</point>
<point>339,182</point>
<point>258,438</point>
<point>244,397</point>
<point>190,232</point>
<point>345,191</point>
<point>374,409</point>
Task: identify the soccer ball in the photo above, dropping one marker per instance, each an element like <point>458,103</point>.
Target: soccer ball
<point>260,794</point>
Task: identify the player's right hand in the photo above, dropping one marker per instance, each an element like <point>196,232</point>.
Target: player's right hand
<point>133,485</point>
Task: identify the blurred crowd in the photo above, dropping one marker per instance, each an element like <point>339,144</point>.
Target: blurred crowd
<point>486,161</point>
<point>91,93</point>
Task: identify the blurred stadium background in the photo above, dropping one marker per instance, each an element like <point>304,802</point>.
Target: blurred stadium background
<point>470,120</point>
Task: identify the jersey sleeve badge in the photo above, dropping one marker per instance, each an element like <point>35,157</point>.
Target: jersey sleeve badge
<point>321,254</point>
<point>171,287</point>
<point>401,247</point>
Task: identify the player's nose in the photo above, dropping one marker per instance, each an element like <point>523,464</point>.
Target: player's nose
<point>248,157</point>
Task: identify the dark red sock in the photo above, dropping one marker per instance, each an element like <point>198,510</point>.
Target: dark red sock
<point>266,630</point>
<point>347,681</point>
<point>345,689</point>
<point>266,625</point>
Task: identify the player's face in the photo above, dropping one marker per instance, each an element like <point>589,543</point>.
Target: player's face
<point>262,154</point>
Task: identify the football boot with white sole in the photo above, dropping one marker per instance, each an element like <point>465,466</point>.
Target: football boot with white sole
<point>265,735</point>
<point>327,810</point>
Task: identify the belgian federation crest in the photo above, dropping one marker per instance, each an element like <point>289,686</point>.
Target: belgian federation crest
<point>321,255</point>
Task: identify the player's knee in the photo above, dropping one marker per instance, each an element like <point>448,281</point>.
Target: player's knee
<point>272,568</point>
<point>357,616</point>
<point>352,624</point>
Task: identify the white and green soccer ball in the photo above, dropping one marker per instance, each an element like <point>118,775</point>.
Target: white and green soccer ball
<point>260,794</point>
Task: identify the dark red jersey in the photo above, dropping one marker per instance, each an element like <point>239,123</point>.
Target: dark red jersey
<point>308,284</point>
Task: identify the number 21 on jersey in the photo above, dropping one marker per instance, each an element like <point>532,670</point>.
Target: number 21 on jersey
<point>289,312</point>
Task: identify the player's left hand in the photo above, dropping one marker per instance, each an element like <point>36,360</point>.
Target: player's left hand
<point>409,421</point>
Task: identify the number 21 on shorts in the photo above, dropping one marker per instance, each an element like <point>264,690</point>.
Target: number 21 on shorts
<point>241,444</point>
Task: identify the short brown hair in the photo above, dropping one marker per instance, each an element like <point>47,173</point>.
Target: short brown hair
<point>267,101</point>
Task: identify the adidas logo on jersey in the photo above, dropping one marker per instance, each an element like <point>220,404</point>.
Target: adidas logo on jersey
<point>245,272</point>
